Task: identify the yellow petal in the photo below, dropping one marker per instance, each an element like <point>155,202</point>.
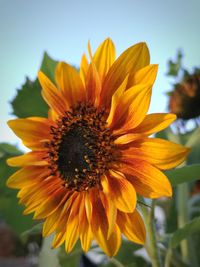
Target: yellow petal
<point>99,226</point>
<point>93,85</point>
<point>137,109</point>
<point>88,206</point>
<point>131,109</point>
<point>104,57</point>
<point>35,158</point>
<point>132,226</point>
<point>110,210</point>
<point>116,101</point>
<point>27,176</point>
<point>131,60</point>
<point>161,153</point>
<point>120,191</point>
<point>52,203</point>
<point>152,123</point>
<point>144,75</point>
<point>84,68</point>
<point>112,244</point>
<point>147,180</point>
<point>31,130</point>
<point>85,231</point>
<point>155,122</point>
<point>52,115</point>
<point>69,81</point>
<point>51,222</point>
<point>58,239</point>
<point>72,229</point>
<point>127,138</point>
<point>51,95</point>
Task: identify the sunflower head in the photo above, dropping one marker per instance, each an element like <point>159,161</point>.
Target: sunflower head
<point>92,156</point>
<point>184,100</point>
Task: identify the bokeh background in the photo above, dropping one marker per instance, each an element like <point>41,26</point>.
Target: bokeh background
<point>63,28</point>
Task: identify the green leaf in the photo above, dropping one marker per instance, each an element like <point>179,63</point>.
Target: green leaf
<point>193,141</point>
<point>48,256</point>
<point>10,210</point>
<point>184,174</point>
<point>48,66</point>
<point>36,229</point>
<point>6,148</point>
<point>29,101</point>
<point>70,259</point>
<point>168,134</point>
<point>190,228</point>
<point>175,66</point>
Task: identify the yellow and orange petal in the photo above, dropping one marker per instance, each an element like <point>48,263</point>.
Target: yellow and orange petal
<point>92,156</point>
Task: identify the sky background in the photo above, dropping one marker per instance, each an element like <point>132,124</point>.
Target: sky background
<point>63,28</point>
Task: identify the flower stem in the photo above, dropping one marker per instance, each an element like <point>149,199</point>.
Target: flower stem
<point>116,262</point>
<point>151,245</point>
<point>182,196</point>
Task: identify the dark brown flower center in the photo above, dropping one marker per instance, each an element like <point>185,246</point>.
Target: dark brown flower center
<point>82,147</point>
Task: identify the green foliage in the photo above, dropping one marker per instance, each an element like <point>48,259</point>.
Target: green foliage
<point>48,256</point>
<point>48,66</point>
<point>72,259</point>
<point>36,229</point>
<point>185,174</point>
<point>10,210</point>
<point>190,228</point>
<point>126,256</point>
<point>175,66</point>
<point>28,101</point>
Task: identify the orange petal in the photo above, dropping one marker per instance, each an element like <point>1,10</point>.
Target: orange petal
<point>51,95</point>
<point>137,109</point>
<point>85,231</point>
<point>110,210</point>
<point>72,229</point>
<point>27,176</point>
<point>104,57</point>
<point>127,138</point>
<point>35,158</point>
<point>93,85</point>
<point>52,203</point>
<point>131,60</point>
<point>116,102</point>
<point>131,109</point>
<point>144,75</point>
<point>41,191</point>
<point>69,81</point>
<point>59,238</point>
<point>31,130</point>
<point>132,226</point>
<point>99,226</point>
<point>120,191</point>
<point>155,122</point>
<point>51,222</point>
<point>161,153</point>
<point>147,180</point>
<point>88,206</point>
<point>84,68</point>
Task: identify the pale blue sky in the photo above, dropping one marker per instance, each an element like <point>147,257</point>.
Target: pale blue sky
<point>62,28</point>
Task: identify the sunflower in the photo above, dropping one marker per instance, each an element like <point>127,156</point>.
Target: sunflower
<point>92,156</point>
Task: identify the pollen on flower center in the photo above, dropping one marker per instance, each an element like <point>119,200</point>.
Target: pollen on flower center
<point>81,148</point>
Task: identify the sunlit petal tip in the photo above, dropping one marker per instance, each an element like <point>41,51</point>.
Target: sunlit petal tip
<point>11,162</point>
<point>169,191</point>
